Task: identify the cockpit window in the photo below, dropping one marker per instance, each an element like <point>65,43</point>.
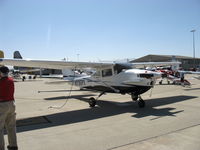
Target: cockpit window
<point>121,67</point>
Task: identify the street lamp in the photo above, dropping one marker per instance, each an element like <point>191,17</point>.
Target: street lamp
<point>193,46</point>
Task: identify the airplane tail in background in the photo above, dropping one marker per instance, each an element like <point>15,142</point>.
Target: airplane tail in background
<point>1,54</point>
<point>17,55</point>
<point>175,67</point>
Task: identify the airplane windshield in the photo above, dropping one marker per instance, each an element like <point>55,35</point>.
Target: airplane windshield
<point>121,67</point>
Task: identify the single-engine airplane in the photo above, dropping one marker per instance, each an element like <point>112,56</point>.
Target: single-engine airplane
<point>176,76</point>
<point>113,77</point>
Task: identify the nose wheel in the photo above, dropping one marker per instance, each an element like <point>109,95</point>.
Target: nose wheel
<point>134,97</point>
<point>138,98</point>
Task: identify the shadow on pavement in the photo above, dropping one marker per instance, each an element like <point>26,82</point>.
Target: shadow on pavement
<point>103,109</point>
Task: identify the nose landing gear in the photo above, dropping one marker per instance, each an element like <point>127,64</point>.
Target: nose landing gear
<point>141,102</point>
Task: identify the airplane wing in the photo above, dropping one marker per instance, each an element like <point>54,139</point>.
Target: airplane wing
<point>189,72</point>
<point>53,64</point>
<point>26,70</point>
<point>154,64</point>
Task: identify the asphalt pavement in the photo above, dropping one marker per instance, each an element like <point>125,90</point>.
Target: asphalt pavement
<point>50,116</point>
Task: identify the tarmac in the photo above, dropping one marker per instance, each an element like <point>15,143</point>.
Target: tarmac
<point>52,117</point>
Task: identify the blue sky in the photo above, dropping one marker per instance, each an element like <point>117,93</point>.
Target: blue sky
<point>93,30</point>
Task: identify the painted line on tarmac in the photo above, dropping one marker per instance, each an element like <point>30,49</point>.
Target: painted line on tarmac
<point>153,137</point>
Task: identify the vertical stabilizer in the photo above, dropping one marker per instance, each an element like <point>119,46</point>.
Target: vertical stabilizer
<point>17,55</point>
<point>175,67</point>
<point>1,54</point>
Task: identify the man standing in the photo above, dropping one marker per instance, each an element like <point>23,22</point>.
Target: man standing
<point>7,110</point>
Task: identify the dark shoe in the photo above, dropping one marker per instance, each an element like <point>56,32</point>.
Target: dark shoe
<point>12,147</point>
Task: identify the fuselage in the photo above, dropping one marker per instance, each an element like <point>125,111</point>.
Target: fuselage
<point>127,81</point>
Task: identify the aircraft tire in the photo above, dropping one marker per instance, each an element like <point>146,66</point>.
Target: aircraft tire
<point>92,102</point>
<point>134,97</point>
<point>141,103</point>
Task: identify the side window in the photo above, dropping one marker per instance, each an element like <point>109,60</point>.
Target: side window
<point>106,72</point>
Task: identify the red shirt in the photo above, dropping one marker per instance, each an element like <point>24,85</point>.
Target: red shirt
<point>6,89</point>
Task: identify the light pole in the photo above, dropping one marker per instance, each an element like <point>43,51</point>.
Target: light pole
<point>193,46</point>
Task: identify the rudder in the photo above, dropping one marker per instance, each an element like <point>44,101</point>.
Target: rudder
<point>17,55</point>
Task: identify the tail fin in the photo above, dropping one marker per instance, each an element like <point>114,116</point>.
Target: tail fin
<point>175,67</point>
<point>17,55</point>
<point>1,54</point>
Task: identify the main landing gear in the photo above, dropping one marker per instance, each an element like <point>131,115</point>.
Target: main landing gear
<point>141,102</point>
<point>92,101</point>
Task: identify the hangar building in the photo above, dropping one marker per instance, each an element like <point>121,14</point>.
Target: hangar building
<point>186,62</point>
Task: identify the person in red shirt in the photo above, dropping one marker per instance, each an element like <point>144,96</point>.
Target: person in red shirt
<point>7,110</point>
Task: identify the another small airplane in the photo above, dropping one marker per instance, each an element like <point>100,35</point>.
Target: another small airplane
<point>18,69</point>
<point>67,74</point>
<point>176,76</point>
<point>118,78</point>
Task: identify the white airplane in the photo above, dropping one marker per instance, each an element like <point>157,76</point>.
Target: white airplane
<point>67,74</point>
<point>118,78</point>
<point>17,55</point>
